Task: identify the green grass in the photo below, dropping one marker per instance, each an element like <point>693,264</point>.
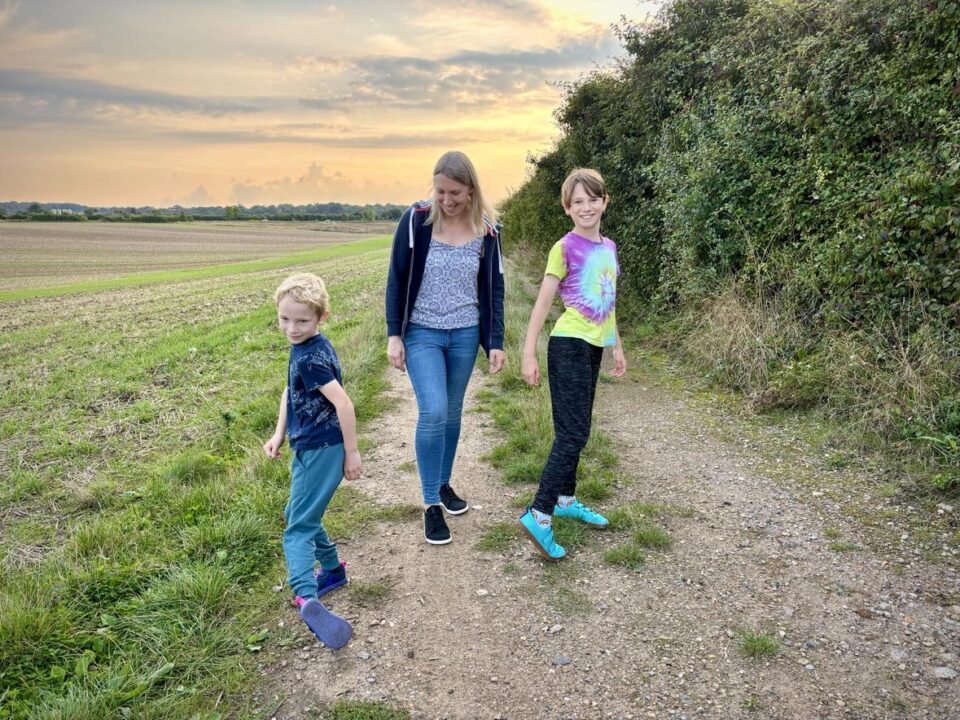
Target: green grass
<point>840,546</point>
<point>364,710</point>
<point>499,538</point>
<point>371,593</point>
<point>757,644</point>
<point>651,537</point>
<point>627,555</point>
<point>139,415</point>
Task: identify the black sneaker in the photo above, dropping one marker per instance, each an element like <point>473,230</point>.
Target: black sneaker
<point>452,502</point>
<point>435,529</point>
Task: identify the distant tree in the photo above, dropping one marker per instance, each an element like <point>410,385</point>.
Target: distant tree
<point>35,209</point>
<point>3,212</point>
<point>368,214</point>
<point>231,212</point>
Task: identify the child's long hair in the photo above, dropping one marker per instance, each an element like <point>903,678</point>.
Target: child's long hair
<point>457,166</point>
<point>305,288</point>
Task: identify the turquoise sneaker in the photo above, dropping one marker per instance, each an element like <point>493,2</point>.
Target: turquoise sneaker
<point>579,511</point>
<point>542,536</point>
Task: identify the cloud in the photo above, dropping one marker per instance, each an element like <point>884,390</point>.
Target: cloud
<point>198,197</point>
<point>361,142</point>
<point>315,185</point>
<point>7,11</point>
<point>44,90</point>
<point>464,80</point>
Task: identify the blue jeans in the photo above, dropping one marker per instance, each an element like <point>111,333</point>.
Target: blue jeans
<point>314,478</point>
<point>439,363</point>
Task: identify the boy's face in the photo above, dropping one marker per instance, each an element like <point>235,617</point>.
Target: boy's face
<point>585,210</point>
<point>298,321</point>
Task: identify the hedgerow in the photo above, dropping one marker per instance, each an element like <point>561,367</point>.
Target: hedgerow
<point>789,169</point>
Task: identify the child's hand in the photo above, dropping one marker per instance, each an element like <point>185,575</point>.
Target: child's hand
<point>272,447</point>
<point>352,465</point>
<point>619,362</point>
<point>530,370</point>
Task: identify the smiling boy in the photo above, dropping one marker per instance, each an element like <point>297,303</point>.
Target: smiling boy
<point>319,418</point>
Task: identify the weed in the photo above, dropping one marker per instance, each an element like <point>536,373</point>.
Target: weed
<point>840,546</point>
<point>498,538</point>
<point>757,644</point>
<point>628,555</point>
<point>364,710</point>
<point>371,593</point>
<point>651,537</point>
<point>831,532</point>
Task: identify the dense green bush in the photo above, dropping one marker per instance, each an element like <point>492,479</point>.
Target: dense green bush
<point>785,172</point>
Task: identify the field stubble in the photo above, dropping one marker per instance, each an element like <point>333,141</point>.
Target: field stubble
<point>140,524</point>
<point>42,254</point>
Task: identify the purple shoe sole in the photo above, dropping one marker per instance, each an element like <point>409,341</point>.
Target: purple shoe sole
<point>332,630</point>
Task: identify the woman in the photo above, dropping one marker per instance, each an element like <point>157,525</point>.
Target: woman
<point>444,299</point>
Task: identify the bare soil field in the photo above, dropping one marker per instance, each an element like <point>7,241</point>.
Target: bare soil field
<point>84,251</point>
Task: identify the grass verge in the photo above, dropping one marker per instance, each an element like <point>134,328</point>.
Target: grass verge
<point>139,594</point>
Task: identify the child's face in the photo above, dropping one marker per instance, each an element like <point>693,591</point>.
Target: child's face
<point>585,210</point>
<point>298,321</point>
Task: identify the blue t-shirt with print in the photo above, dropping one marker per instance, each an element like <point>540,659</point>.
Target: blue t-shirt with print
<point>312,421</point>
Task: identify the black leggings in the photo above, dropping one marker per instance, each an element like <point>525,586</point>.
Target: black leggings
<point>573,366</point>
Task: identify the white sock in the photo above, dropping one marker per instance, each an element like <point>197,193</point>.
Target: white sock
<point>566,500</point>
<point>541,518</point>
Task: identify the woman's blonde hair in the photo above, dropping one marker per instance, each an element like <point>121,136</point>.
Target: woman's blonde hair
<point>305,288</point>
<point>457,166</point>
<point>591,180</point>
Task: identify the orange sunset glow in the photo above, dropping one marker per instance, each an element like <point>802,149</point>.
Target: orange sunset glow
<point>241,102</point>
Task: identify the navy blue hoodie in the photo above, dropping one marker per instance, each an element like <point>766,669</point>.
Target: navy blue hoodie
<point>411,243</point>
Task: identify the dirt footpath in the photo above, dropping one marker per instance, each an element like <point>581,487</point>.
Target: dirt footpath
<point>469,634</point>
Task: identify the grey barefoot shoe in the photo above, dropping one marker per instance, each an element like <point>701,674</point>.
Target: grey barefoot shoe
<point>331,629</point>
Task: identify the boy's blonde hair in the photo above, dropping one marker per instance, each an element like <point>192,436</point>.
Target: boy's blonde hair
<point>591,180</point>
<point>457,166</point>
<point>305,288</point>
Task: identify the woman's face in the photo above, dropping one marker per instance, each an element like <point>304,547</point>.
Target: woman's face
<point>452,196</point>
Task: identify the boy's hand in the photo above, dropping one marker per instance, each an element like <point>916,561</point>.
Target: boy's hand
<point>272,447</point>
<point>352,465</point>
<point>498,360</point>
<point>530,369</point>
<point>619,362</point>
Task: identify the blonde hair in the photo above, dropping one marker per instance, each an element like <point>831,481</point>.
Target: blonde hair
<point>591,180</point>
<point>457,166</point>
<point>305,288</point>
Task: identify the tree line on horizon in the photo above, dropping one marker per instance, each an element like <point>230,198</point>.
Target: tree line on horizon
<point>785,182</point>
<point>73,212</point>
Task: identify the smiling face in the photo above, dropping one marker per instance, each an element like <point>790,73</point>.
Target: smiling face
<point>298,321</point>
<point>453,197</point>
<point>586,210</point>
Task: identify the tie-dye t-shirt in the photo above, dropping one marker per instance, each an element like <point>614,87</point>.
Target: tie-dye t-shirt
<point>588,287</point>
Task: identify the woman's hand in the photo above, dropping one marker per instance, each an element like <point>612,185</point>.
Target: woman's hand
<point>498,360</point>
<point>396,353</point>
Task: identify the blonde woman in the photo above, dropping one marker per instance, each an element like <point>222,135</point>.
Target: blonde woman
<point>444,300</point>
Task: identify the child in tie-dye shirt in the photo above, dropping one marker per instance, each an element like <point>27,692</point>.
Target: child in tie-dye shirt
<point>583,268</point>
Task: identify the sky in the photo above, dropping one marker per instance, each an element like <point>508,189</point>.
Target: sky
<point>217,102</point>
